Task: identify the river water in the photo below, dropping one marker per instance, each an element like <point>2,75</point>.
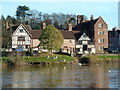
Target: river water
<point>61,76</point>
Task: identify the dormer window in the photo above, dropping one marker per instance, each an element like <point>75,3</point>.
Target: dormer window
<point>100,25</point>
<point>21,30</point>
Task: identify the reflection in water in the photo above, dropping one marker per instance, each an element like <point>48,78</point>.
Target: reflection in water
<point>70,76</point>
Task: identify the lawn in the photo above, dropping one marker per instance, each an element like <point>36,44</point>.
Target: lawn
<point>45,57</point>
<point>111,57</point>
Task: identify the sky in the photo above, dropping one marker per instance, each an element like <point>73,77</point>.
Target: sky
<point>107,9</point>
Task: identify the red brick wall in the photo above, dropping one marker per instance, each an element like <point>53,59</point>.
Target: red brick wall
<point>97,36</point>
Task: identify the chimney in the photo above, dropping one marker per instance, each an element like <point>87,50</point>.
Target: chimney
<point>115,29</point>
<point>70,27</point>
<point>92,17</point>
<point>44,25</point>
<point>7,26</point>
<point>80,19</point>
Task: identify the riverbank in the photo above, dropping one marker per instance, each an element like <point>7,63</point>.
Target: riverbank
<point>48,59</point>
<point>102,58</point>
<point>42,59</point>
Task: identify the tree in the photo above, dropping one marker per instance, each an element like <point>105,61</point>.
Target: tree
<point>9,19</point>
<point>22,12</point>
<point>51,39</point>
<point>56,24</point>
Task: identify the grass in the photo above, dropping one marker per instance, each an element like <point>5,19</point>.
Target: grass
<point>41,58</point>
<point>111,57</point>
<point>103,58</point>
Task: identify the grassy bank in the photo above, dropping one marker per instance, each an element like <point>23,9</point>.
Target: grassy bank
<point>45,57</point>
<point>103,58</point>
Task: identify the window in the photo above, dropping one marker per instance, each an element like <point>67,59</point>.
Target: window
<point>65,47</point>
<point>100,25</point>
<point>19,46</point>
<point>101,33</point>
<point>70,41</point>
<point>21,30</point>
<point>85,47</point>
<point>84,42</point>
<point>27,46</point>
<point>21,38</point>
<point>101,40</point>
<point>101,48</point>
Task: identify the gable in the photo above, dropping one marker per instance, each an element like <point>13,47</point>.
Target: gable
<point>21,30</point>
<point>84,37</point>
<point>100,21</point>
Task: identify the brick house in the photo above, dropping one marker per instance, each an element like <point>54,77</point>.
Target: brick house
<point>114,40</point>
<point>95,29</point>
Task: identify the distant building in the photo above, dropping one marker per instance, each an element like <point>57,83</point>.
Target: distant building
<point>114,39</point>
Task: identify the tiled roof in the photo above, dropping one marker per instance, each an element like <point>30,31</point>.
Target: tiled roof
<point>28,27</point>
<point>67,34</point>
<point>36,34</point>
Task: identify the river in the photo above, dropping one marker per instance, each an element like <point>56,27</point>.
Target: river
<point>61,76</point>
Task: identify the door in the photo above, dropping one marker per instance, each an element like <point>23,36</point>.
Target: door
<point>85,47</point>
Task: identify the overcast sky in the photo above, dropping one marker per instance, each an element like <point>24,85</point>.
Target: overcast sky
<point>105,8</point>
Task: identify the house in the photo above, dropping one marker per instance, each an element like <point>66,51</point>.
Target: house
<point>84,45</point>
<point>24,38</point>
<point>114,40</point>
<point>69,41</point>
<point>91,35</point>
<point>21,37</point>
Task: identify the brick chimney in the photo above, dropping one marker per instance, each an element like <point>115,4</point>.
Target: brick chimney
<point>115,29</point>
<point>80,19</point>
<point>70,27</point>
<point>92,17</point>
<point>7,26</point>
<point>44,25</point>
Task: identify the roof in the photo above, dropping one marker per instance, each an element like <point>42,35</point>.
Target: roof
<point>85,27</point>
<point>36,34</point>
<point>14,27</point>
<point>28,27</point>
<point>67,34</point>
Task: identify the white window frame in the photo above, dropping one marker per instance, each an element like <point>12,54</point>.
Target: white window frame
<point>101,32</point>
<point>101,40</point>
<point>21,29</point>
<point>100,25</point>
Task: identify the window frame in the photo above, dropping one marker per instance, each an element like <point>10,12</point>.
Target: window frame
<point>101,47</point>
<point>21,38</point>
<point>100,25</point>
<point>101,40</point>
<point>101,33</point>
<point>20,30</point>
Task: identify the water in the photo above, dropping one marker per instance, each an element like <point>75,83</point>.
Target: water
<point>61,76</point>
